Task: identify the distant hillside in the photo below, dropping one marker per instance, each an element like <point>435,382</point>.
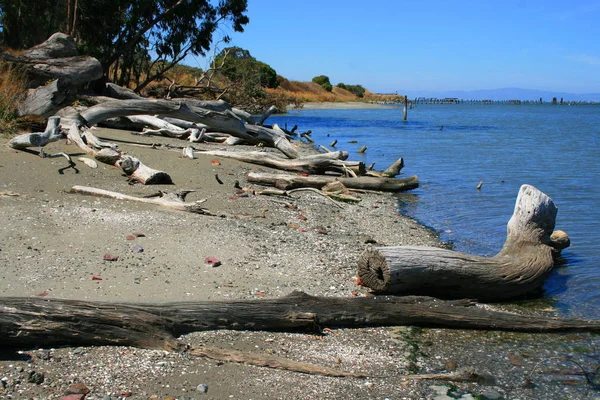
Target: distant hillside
<point>504,94</point>
<point>312,92</point>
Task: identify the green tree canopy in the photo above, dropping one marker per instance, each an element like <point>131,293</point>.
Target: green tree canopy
<point>323,81</point>
<point>238,65</point>
<point>129,37</point>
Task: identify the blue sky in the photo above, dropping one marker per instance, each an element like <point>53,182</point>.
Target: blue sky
<point>433,45</point>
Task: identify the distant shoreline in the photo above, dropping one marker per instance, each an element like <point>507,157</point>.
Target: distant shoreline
<point>342,105</point>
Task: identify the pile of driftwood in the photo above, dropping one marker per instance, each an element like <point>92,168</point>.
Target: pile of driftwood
<point>188,119</point>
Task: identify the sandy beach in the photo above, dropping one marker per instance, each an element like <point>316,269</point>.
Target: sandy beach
<point>53,245</point>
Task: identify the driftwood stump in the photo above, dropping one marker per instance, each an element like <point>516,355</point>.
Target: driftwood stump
<point>518,270</point>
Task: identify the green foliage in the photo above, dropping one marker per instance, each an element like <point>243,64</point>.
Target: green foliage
<point>123,34</point>
<point>356,90</point>
<point>246,79</point>
<point>323,81</point>
<point>238,65</point>
<point>267,76</point>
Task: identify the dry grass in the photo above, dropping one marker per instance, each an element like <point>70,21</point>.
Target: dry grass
<point>312,92</point>
<point>13,87</point>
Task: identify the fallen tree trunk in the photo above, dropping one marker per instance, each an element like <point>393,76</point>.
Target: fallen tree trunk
<point>35,322</point>
<point>518,270</point>
<point>123,108</point>
<point>287,182</point>
<point>315,164</point>
<point>224,121</point>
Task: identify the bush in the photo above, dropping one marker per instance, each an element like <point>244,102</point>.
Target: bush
<point>324,82</point>
<point>268,77</point>
<point>356,90</point>
<point>238,65</point>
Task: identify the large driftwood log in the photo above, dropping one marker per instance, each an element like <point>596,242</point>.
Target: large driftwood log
<point>287,182</point>
<point>314,164</point>
<point>518,270</point>
<point>46,100</point>
<point>34,322</point>
<point>59,45</point>
<point>76,70</point>
<point>224,121</point>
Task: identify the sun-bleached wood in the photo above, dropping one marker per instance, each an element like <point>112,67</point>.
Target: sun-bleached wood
<point>287,182</point>
<point>517,271</point>
<point>52,133</point>
<point>314,164</point>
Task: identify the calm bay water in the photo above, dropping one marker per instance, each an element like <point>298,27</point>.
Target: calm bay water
<point>454,147</point>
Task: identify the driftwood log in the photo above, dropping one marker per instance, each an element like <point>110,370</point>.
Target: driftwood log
<point>517,271</point>
<point>34,322</point>
<point>107,153</point>
<point>224,121</point>
<point>314,164</point>
<point>55,58</point>
<point>175,201</point>
<point>46,100</point>
<point>52,133</point>
<point>287,182</point>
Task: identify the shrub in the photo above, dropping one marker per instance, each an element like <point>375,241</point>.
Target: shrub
<point>239,65</point>
<point>323,81</point>
<point>327,86</point>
